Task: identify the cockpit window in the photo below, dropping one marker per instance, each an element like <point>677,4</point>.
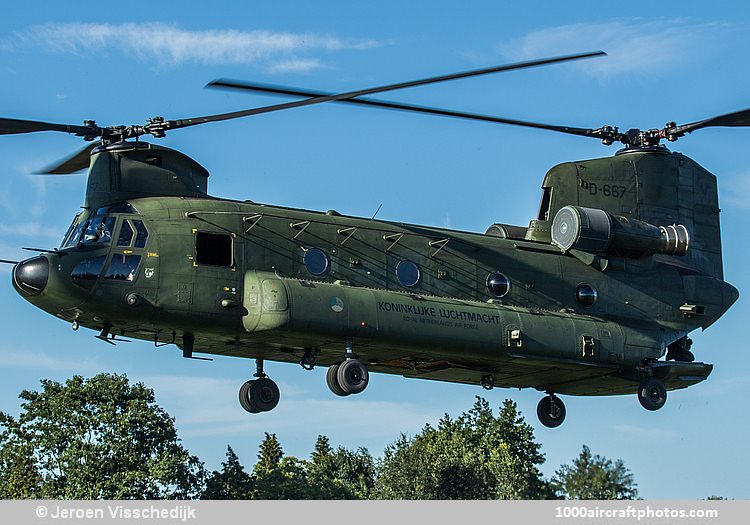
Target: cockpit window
<point>77,229</point>
<point>99,230</point>
<point>141,235</point>
<point>123,267</point>
<point>126,234</point>
<point>75,226</point>
<point>87,271</point>
<point>97,227</point>
<point>123,207</point>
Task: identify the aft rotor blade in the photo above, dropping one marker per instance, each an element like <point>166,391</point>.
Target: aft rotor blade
<point>76,162</point>
<point>11,126</point>
<point>297,92</point>
<point>172,124</point>
<point>736,119</point>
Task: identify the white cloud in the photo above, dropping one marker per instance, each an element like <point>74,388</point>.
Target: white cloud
<point>35,360</point>
<point>35,225</point>
<point>633,44</point>
<point>169,44</point>
<point>296,65</point>
<point>206,407</point>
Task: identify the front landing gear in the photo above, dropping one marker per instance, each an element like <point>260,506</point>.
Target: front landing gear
<point>551,411</point>
<point>350,376</point>
<point>261,394</point>
<point>652,394</point>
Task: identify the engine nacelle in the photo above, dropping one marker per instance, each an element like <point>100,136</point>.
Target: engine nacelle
<point>598,232</point>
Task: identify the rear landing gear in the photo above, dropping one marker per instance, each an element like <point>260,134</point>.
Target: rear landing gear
<point>261,394</point>
<point>551,411</point>
<point>333,381</point>
<point>348,377</point>
<point>652,394</point>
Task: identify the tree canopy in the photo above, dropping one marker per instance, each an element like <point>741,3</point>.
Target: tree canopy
<point>594,477</point>
<point>105,438</point>
<point>340,473</point>
<point>101,438</point>
<point>476,456</point>
<point>232,482</point>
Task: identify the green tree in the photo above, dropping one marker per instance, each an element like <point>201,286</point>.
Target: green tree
<point>594,477</point>
<point>276,476</point>
<point>340,474</point>
<point>19,475</point>
<point>231,483</point>
<point>519,477</point>
<point>92,439</point>
<point>476,456</point>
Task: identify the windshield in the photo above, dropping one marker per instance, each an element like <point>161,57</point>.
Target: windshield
<point>94,228</point>
<point>99,230</point>
<point>75,231</point>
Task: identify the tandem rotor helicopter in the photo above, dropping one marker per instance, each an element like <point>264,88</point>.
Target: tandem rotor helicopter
<point>596,296</point>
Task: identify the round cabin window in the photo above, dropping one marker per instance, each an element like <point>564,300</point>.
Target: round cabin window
<point>316,261</point>
<point>498,284</point>
<point>586,295</point>
<point>408,273</point>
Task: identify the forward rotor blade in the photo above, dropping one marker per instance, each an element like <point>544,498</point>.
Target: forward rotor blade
<point>173,124</point>
<point>736,119</point>
<point>296,92</point>
<point>76,162</point>
<point>11,126</point>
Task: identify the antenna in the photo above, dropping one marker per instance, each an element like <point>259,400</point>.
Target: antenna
<point>376,212</point>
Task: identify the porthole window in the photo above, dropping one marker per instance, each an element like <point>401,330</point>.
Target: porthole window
<point>408,273</point>
<point>316,261</point>
<point>498,284</point>
<point>586,295</point>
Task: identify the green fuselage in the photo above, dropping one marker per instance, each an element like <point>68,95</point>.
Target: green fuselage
<point>251,280</point>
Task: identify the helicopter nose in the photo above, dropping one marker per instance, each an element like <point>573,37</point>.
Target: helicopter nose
<point>30,276</point>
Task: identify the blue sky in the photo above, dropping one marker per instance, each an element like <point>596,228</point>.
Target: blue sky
<point>686,61</point>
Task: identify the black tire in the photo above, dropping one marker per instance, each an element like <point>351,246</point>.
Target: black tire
<point>352,376</point>
<point>333,382</point>
<point>264,394</point>
<point>652,394</point>
<point>551,411</point>
<point>245,401</point>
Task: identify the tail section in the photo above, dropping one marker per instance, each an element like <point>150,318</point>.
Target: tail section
<point>651,185</point>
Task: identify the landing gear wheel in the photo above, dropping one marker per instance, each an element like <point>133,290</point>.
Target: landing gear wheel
<point>245,401</point>
<point>652,394</point>
<point>264,394</point>
<point>551,411</point>
<point>352,376</point>
<point>333,382</point>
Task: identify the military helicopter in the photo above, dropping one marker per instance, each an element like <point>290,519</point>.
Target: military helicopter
<point>596,296</point>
